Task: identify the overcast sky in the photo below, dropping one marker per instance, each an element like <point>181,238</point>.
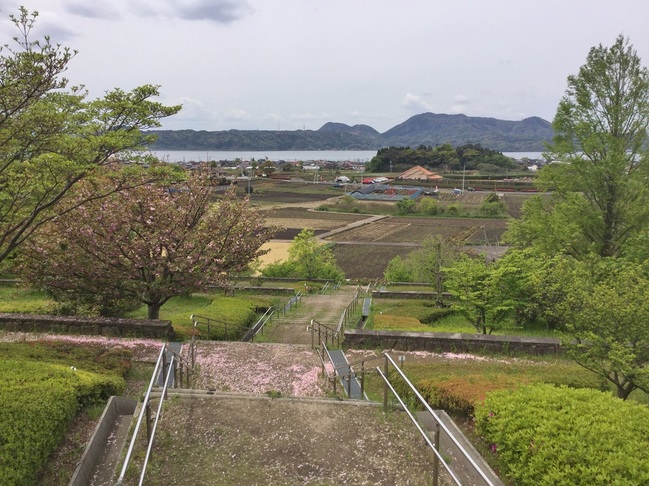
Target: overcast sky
<point>293,64</point>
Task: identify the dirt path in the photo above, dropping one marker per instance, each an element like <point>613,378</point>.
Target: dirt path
<point>324,308</point>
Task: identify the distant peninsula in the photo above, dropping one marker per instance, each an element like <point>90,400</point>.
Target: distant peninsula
<point>428,129</point>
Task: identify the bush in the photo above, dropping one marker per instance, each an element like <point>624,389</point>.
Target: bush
<point>428,206</point>
<point>405,206</point>
<point>546,435</point>
<point>40,393</point>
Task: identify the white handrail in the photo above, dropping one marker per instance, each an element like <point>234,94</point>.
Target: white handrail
<point>157,419</point>
<point>120,479</point>
<point>439,421</point>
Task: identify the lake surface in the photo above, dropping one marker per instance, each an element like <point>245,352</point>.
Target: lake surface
<point>288,155</point>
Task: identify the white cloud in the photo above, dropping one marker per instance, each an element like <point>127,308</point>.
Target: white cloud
<point>236,115</point>
<point>219,11</point>
<point>415,103</point>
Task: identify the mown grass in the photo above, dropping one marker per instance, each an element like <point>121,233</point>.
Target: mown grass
<point>24,301</point>
<point>238,311</point>
<point>424,316</point>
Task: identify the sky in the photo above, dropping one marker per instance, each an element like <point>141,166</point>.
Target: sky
<point>297,64</point>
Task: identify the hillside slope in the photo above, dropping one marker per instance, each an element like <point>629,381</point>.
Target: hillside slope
<point>432,129</point>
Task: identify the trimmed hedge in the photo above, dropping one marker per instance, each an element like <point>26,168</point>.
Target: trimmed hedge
<point>39,399</point>
<point>547,435</point>
<point>460,385</point>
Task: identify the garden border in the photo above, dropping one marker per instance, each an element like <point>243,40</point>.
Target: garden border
<point>450,342</point>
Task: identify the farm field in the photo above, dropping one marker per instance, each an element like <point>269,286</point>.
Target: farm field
<point>364,251</point>
<point>293,220</point>
<point>416,230</point>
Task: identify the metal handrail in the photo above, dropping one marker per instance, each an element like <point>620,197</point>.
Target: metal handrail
<point>138,424</point>
<point>435,416</point>
<point>350,309</point>
<point>421,431</point>
<point>155,423</point>
<point>212,322</point>
<point>259,325</point>
<point>328,331</point>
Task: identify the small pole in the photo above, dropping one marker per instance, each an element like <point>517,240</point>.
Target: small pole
<point>148,422</point>
<point>436,459</point>
<point>165,365</point>
<point>349,383</point>
<point>175,370</point>
<point>362,379</point>
<point>385,384</point>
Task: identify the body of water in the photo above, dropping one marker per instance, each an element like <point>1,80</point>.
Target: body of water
<point>289,155</point>
<point>245,155</point>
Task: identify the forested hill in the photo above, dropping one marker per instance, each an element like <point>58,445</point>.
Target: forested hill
<point>429,129</point>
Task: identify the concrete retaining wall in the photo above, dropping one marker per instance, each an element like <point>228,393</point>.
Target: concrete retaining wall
<point>449,342</point>
<point>104,449</point>
<point>102,326</point>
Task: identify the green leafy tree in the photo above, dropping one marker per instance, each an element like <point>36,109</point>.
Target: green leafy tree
<point>600,199</point>
<point>493,205</point>
<point>308,259</point>
<point>52,137</point>
<point>606,310</point>
<point>426,264</point>
<point>147,244</point>
<point>485,292</point>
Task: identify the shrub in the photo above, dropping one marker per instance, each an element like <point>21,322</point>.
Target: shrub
<point>405,206</point>
<point>428,206</point>
<point>454,208</point>
<point>41,389</point>
<point>546,435</point>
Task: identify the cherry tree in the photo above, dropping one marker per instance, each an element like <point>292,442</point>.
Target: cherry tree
<point>147,244</point>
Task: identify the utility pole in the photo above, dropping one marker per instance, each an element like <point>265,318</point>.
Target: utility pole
<point>463,174</point>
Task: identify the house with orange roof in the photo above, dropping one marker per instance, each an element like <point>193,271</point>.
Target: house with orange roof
<point>419,173</point>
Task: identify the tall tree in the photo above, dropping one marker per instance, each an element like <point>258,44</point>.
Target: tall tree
<point>147,244</point>
<point>600,199</point>
<point>307,258</point>
<point>485,292</point>
<point>52,137</point>
<point>606,310</point>
<point>425,264</point>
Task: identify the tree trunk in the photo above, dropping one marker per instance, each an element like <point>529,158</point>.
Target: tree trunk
<point>154,310</point>
<point>623,391</point>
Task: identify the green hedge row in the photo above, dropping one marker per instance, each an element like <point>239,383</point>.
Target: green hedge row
<point>38,400</point>
<point>546,435</point>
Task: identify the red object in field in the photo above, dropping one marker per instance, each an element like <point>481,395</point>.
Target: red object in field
<point>368,181</point>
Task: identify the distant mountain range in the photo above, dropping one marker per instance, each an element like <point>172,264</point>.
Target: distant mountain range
<point>528,135</point>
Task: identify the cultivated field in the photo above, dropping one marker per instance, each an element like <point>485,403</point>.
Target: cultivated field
<point>416,230</point>
<point>364,251</point>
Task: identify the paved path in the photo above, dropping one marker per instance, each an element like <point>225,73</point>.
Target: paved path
<point>324,308</point>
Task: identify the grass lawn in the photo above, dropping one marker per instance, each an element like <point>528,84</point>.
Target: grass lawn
<point>24,301</point>
<point>423,316</point>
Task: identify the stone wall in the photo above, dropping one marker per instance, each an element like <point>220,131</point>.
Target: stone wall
<point>449,342</point>
<point>102,326</point>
